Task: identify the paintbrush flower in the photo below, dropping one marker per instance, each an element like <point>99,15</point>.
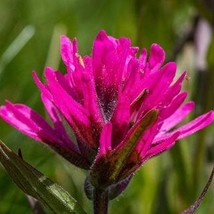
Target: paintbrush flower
<point>110,111</point>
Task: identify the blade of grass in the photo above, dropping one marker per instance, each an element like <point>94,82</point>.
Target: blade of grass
<point>53,58</point>
<point>16,46</point>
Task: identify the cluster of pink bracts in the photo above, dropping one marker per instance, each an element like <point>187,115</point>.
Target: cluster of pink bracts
<point>121,108</point>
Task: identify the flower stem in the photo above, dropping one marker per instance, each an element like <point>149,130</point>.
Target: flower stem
<point>100,200</point>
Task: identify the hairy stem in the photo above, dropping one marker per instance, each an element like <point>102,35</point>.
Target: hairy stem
<point>100,200</point>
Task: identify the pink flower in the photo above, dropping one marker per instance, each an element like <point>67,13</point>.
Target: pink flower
<point>121,108</point>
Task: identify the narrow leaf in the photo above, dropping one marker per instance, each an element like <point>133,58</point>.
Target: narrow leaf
<point>107,168</point>
<point>34,183</point>
<point>120,156</point>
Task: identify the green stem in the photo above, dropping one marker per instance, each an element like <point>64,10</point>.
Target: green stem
<point>100,200</point>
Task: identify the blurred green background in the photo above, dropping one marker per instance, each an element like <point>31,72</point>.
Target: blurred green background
<point>29,40</point>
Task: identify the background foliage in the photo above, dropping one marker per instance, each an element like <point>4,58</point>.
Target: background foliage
<point>29,40</point>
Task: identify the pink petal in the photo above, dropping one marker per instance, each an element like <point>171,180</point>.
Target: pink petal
<point>43,88</point>
<point>109,64</point>
<point>156,58</point>
<point>173,90</point>
<point>75,64</point>
<point>177,117</point>
<point>91,102</point>
<point>104,59</point>
<point>196,125</point>
<point>68,52</point>
<point>62,79</point>
<point>58,123</point>
<point>162,147</point>
<point>133,82</point>
<point>176,103</point>
<point>105,139</point>
<point>33,125</point>
<point>69,107</point>
<point>147,140</point>
<point>143,58</point>
<point>189,128</point>
<point>28,122</point>
<point>120,120</point>
<point>74,113</point>
<point>144,76</point>
<point>157,86</point>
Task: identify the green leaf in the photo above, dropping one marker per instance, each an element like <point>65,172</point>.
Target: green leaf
<point>120,156</point>
<point>107,169</point>
<point>34,183</point>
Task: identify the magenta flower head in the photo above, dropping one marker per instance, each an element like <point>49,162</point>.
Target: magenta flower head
<point>122,109</point>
